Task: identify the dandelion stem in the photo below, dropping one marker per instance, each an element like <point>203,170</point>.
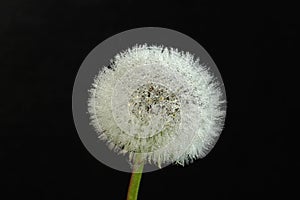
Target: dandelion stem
<point>135,180</point>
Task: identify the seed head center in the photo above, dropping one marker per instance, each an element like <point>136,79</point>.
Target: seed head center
<point>151,101</point>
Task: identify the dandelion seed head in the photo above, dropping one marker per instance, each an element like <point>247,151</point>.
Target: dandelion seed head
<point>159,103</point>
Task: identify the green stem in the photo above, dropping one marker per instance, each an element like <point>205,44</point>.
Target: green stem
<point>135,180</point>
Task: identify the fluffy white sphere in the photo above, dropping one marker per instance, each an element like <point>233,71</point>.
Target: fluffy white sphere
<point>158,103</point>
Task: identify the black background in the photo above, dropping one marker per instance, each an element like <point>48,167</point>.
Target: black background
<point>42,45</point>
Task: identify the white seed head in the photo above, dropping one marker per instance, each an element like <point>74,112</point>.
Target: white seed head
<point>158,103</point>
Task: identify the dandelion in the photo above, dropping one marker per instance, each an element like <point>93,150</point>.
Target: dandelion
<point>157,105</point>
